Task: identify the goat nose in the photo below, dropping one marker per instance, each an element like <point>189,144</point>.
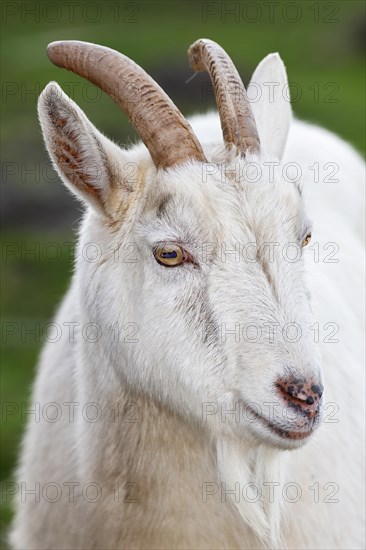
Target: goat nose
<point>304,395</point>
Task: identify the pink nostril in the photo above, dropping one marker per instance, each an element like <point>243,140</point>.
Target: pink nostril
<point>303,394</point>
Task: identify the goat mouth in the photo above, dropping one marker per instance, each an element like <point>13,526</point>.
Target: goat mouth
<point>283,432</point>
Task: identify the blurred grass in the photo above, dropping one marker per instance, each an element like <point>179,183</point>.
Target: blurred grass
<point>32,287</point>
<point>156,35</point>
<point>313,52</point>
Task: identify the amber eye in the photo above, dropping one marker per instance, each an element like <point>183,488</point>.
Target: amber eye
<point>169,255</point>
<point>306,240</point>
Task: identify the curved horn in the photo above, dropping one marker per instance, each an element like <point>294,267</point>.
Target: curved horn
<point>237,119</point>
<point>161,126</point>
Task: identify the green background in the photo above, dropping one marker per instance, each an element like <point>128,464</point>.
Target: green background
<point>321,44</point>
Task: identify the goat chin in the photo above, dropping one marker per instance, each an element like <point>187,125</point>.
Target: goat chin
<point>256,468</point>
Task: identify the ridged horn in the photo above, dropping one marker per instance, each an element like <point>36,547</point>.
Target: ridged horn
<point>161,126</point>
<point>236,116</point>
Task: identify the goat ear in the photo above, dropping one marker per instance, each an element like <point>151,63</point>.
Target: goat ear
<point>270,101</point>
<point>89,164</point>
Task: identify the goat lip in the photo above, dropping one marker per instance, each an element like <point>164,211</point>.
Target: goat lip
<point>285,434</point>
<point>294,435</point>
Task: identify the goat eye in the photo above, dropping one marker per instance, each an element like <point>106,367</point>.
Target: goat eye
<point>169,255</point>
<point>306,240</point>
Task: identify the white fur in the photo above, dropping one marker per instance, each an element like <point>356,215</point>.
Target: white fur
<point>181,366</point>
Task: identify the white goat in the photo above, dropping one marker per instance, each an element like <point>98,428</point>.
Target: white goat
<point>187,382</point>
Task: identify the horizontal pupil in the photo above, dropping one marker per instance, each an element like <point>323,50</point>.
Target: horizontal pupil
<point>172,254</point>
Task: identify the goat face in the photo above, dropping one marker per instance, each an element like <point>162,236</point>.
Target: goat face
<point>225,328</point>
<point>198,285</point>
